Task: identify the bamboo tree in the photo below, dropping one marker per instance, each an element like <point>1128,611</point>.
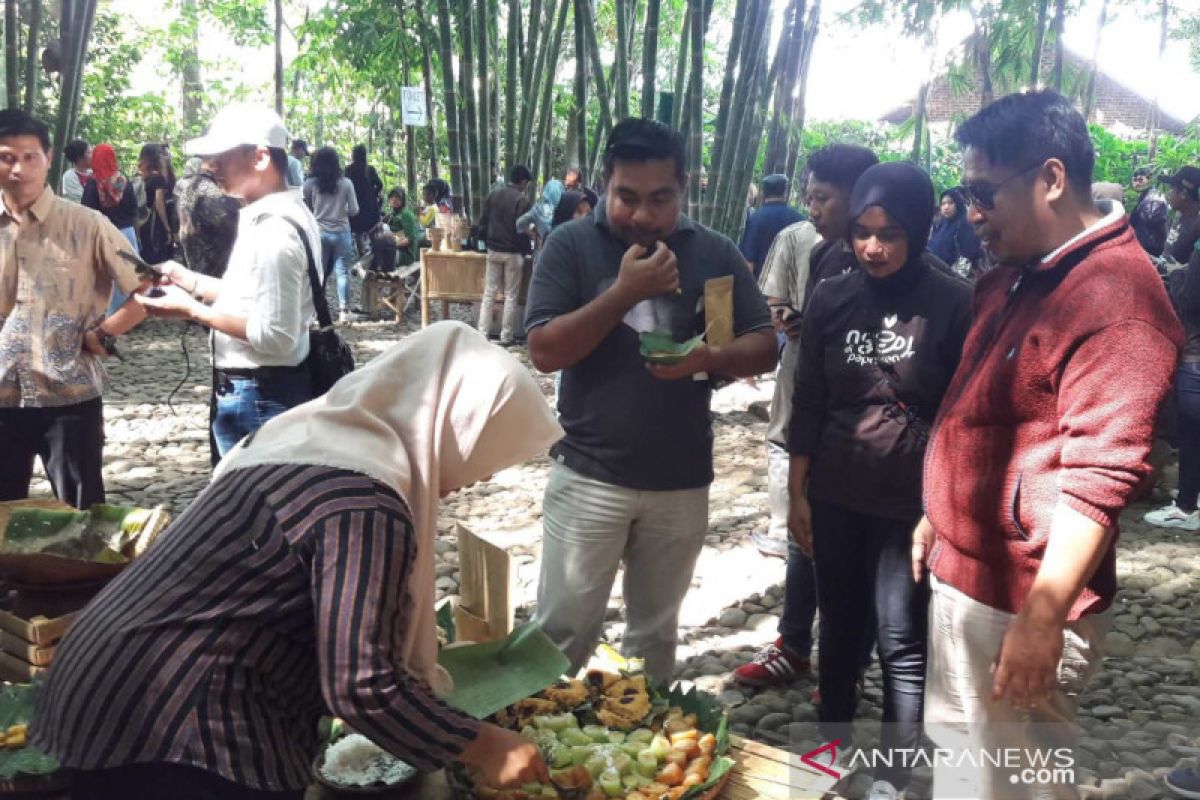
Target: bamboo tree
<point>1089,93</point>
<point>466,80</point>
<point>31,54</point>
<point>75,24</point>
<point>192,89</point>
<point>681,62</point>
<point>538,74</point>
<point>581,67</point>
<point>426,34</point>
<point>510,88</point>
<point>1039,42</point>
<point>732,57</point>
<point>747,154</point>
<point>753,48</point>
<point>800,111</point>
<point>621,76</point>
<point>453,138</point>
<point>546,104</point>
<point>279,57</point>
<point>791,48</point>
<point>11,74</point>
<point>529,69</point>
<point>593,50</point>
<point>1164,16</point>
<point>686,121</point>
<point>696,110</point>
<point>484,110</point>
<point>650,57</point>
<point>1060,13</point>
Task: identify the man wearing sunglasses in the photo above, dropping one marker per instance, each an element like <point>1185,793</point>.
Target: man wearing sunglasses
<point>1041,440</point>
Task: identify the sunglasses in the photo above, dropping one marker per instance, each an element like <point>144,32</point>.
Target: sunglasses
<point>982,195</point>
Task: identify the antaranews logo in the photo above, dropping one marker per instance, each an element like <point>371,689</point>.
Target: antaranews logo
<point>809,759</point>
<point>1054,766</point>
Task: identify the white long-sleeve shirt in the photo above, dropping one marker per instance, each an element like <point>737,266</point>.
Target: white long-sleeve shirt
<point>267,284</point>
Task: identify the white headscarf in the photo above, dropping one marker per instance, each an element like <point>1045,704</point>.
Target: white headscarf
<point>436,412</point>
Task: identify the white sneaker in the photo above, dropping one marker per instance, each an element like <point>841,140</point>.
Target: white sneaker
<point>345,316</point>
<point>882,790</point>
<point>1172,517</point>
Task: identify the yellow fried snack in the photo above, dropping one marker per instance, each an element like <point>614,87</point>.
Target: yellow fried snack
<point>598,680</point>
<point>525,710</point>
<point>616,720</point>
<point>630,706</point>
<point>634,684</point>
<point>567,694</point>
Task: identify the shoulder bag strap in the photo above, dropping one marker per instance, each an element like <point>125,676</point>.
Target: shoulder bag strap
<point>314,281</point>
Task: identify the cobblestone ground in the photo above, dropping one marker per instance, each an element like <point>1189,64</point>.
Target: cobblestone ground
<point>1140,716</point>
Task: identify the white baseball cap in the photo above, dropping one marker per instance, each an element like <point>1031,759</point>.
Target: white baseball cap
<point>237,125</point>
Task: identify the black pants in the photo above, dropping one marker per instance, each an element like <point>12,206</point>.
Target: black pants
<point>863,564</point>
<point>70,442</point>
<point>162,781</point>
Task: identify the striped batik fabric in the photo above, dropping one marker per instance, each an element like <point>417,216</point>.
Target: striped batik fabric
<point>279,595</point>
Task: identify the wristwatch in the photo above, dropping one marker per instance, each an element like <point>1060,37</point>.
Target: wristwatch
<point>106,340</point>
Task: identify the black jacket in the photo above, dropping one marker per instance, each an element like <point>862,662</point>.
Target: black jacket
<point>499,221</point>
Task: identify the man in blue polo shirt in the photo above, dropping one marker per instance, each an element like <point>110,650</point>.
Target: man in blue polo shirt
<point>630,480</point>
<point>766,223</point>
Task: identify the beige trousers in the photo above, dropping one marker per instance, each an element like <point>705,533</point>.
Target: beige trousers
<point>503,270</point>
<point>991,750</point>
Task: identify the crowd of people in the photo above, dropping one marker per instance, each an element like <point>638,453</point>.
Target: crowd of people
<point>968,387</point>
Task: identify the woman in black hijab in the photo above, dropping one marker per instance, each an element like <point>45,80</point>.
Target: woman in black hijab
<point>878,348</point>
<point>953,239</point>
<point>571,206</point>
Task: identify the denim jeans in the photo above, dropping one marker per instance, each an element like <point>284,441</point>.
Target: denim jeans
<point>245,404</point>
<point>1187,433</point>
<point>864,564</point>
<point>337,251</point>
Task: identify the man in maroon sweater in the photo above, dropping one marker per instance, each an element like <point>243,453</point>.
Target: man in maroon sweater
<point>1041,440</point>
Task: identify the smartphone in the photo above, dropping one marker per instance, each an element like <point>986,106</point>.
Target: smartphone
<point>144,270</point>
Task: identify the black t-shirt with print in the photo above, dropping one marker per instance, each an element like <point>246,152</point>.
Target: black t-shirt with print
<point>876,357</point>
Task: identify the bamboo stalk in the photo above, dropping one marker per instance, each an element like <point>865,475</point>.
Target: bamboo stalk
<point>1039,41</point>
<point>696,111</point>
<point>593,48</point>
<point>486,156</point>
<point>32,62</point>
<point>681,63</point>
<point>650,57</point>
<point>510,87</point>
<point>620,76</point>
<point>451,101</point>
<point>11,73</point>
<point>466,81</point>
<point>538,74</point>
<point>581,67</point>
<point>554,45</point>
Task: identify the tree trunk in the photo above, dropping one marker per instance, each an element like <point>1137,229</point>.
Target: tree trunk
<point>581,66</point>
<point>75,23</point>
<point>534,43</point>
<point>750,138</point>
<point>650,58</point>
<point>791,46</point>
<point>193,89</point>
<point>800,111</point>
<point>486,156</point>
<point>919,108</point>
<point>696,111</point>
<point>681,62</point>
<point>733,57</point>
<point>466,85</point>
<point>427,76</point>
<point>450,100</point>
<point>510,87</point>
<point>686,122</point>
<point>1155,111</point>
<point>546,104</point>
<point>621,75</point>
<point>12,73</point>
<point>1039,42</point>
<point>753,49</point>
<point>1060,13</point>
<point>1089,93</point>
<point>593,48</point>
<point>538,74</point>
<point>32,61</point>
<point>279,57</point>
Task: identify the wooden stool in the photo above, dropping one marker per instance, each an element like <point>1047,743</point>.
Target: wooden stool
<point>383,290</point>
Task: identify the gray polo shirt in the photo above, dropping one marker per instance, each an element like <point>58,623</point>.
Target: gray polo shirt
<point>624,426</point>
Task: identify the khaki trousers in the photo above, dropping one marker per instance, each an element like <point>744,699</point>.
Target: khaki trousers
<point>503,272</point>
<point>995,751</point>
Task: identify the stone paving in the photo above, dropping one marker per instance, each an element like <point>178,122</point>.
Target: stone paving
<point>1140,716</point>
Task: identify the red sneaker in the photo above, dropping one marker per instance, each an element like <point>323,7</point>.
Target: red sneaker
<point>773,665</point>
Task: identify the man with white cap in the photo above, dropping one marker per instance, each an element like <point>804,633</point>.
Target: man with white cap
<point>260,311</point>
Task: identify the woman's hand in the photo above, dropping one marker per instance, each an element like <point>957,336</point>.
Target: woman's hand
<point>506,758</point>
<point>800,523</point>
